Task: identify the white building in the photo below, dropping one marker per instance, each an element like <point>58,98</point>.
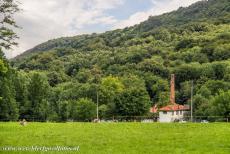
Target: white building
<point>172,113</point>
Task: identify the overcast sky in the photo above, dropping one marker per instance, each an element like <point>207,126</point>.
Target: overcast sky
<point>42,20</point>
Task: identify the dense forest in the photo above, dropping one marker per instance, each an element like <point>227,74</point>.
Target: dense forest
<point>126,70</point>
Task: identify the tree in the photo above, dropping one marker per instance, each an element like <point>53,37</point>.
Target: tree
<point>21,94</point>
<point>202,106</point>
<point>194,55</point>
<point>158,87</point>
<point>56,77</point>
<point>154,66</point>
<point>63,110</point>
<point>38,93</point>
<point>84,75</point>
<point>187,72</point>
<point>8,106</point>
<point>110,87</point>
<point>221,104</point>
<point>184,92</point>
<point>132,102</point>
<point>103,111</point>
<point>85,110</point>
<point>3,68</point>
<point>7,36</point>
<point>215,86</point>
<point>204,91</point>
<point>162,34</point>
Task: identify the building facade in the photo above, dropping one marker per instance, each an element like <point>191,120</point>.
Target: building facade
<point>173,113</point>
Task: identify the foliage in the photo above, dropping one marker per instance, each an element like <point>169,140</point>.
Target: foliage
<point>7,9</point>
<point>38,93</point>
<point>221,104</point>
<point>3,68</point>
<point>85,110</point>
<point>132,102</point>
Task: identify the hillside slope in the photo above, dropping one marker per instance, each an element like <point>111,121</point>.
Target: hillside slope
<point>211,11</point>
<point>192,42</point>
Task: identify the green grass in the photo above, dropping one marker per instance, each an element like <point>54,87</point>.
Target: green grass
<point>111,138</point>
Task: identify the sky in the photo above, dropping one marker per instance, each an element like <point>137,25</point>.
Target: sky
<point>42,20</point>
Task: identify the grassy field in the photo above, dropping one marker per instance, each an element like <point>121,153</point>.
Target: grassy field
<point>119,137</point>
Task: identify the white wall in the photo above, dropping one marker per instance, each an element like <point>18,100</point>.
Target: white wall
<point>171,116</point>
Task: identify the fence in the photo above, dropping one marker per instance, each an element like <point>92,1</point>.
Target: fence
<point>195,119</point>
<point>144,119</point>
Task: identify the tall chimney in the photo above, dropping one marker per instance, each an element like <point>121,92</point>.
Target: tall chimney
<point>172,89</point>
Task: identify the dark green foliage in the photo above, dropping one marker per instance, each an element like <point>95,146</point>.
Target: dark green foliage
<point>132,102</point>
<point>21,82</point>
<point>84,110</point>
<point>3,68</point>
<point>202,106</point>
<point>8,105</point>
<point>63,110</point>
<point>221,104</point>
<point>38,96</point>
<point>7,23</point>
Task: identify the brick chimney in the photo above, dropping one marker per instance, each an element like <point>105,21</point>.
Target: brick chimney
<point>172,89</point>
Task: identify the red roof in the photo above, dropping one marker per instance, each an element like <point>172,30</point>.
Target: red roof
<point>174,107</point>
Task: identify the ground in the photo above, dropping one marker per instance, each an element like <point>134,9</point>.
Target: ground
<point>109,138</point>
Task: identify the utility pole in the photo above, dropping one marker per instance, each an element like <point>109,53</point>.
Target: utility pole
<point>97,106</point>
<point>191,101</point>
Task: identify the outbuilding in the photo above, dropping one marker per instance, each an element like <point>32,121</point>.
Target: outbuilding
<point>173,112</point>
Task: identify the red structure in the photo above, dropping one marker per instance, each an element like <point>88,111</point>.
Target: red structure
<point>175,107</point>
<point>172,89</point>
<point>172,105</point>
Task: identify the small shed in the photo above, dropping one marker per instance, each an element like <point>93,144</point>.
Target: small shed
<point>172,113</point>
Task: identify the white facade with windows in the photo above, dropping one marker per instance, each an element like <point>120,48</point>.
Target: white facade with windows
<point>171,116</point>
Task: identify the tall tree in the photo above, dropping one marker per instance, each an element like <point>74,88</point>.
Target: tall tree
<point>21,81</point>
<point>8,106</point>
<point>109,88</point>
<point>221,104</point>
<point>38,94</point>
<point>134,100</point>
<point>7,36</point>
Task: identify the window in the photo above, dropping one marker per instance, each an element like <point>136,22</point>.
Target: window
<point>177,112</point>
<point>164,112</point>
<point>172,112</point>
<point>181,112</point>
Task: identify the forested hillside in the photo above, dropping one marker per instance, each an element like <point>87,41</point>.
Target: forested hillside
<point>128,69</point>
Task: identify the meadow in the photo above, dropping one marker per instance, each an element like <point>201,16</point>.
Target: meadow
<point>134,138</point>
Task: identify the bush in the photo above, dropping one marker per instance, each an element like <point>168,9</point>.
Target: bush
<point>85,110</point>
